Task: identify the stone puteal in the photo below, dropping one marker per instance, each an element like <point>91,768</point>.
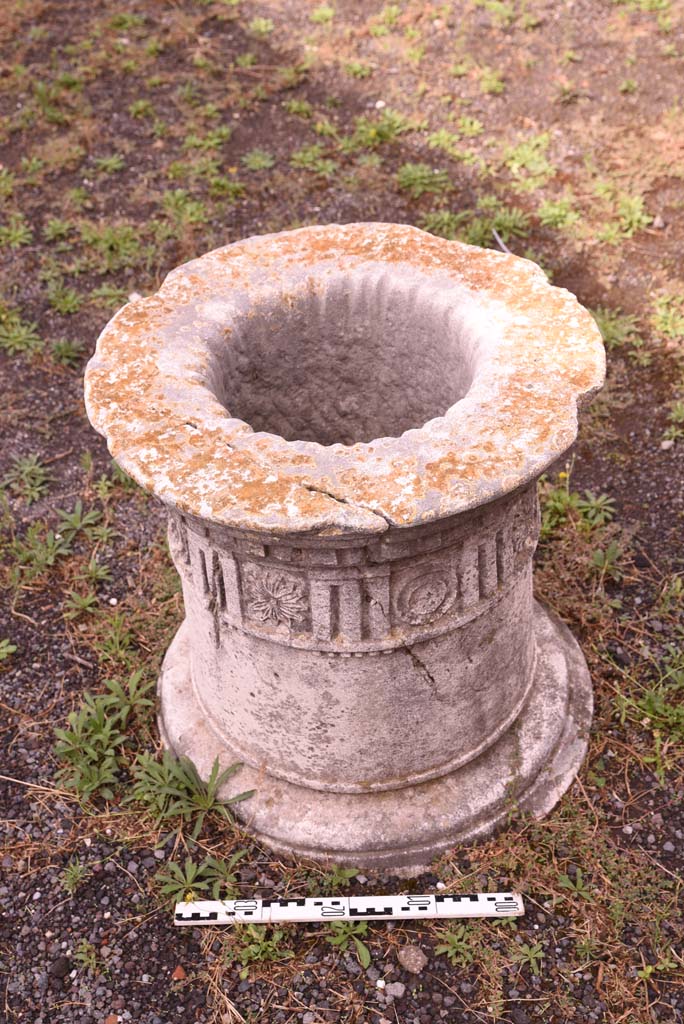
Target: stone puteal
<point>347,424</point>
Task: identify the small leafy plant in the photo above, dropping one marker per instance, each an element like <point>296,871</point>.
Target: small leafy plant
<point>211,875</point>
<point>344,932</point>
<point>28,478</point>
<point>86,956</point>
<point>419,179</point>
<point>529,955</point>
<point>455,946</point>
<point>92,745</point>
<point>17,336</point>
<point>74,874</point>
<point>6,649</point>
<point>576,885</point>
<point>172,788</point>
<point>259,946</point>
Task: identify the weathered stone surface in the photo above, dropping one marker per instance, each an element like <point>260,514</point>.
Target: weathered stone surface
<point>353,334</point>
<point>356,549</point>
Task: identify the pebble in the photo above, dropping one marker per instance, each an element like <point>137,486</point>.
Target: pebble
<point>668,847</point>
<point>412,958</point>
<point>395,989</point>
<point>519,1016</point>
<point>60,967</point>
<point>627,829</point>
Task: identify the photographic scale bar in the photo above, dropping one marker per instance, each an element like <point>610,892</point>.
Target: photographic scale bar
<point>347,908</point>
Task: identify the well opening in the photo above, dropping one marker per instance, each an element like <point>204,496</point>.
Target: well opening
<point>349,359</point>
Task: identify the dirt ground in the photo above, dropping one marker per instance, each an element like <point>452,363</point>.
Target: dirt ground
<point>135,135</point>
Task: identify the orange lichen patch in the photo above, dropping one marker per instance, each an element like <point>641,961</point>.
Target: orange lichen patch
<point>150,389</point>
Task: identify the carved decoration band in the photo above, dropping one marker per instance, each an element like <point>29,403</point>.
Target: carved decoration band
<point>361,599</point>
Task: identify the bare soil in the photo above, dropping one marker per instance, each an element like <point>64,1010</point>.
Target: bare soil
<point>137,135</point>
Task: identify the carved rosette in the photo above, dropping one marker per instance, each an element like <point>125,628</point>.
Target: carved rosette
<point>426,596</point>
<point>365,598</point>
<point>274,598</point>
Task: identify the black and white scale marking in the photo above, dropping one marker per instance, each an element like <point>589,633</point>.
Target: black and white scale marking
<point>346,908</point>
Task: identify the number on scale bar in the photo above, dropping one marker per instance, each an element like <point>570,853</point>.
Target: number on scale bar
<point>345,908</point>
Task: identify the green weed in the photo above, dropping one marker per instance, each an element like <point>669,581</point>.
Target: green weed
<point>311,158</point>
<point>358,70</point>
<point>529,955</point>
<point>421,179</point>
<point>606,561</point>
<point>258,945</point>
<point>675,428</point>
<point>6,649</point>
<point>17,336</point>
<point>557,213</point>
<point>576,885</point>
<point>173,789</point>
<point>110,164</point>
<point>559,505</point>
<point>444,140</point>
<point>300,108</point>
<point>211,876</point>
<point>620,329</point>
<point>114,246</point>
<point>182,209</point>
<point>455,945</point>
<point>63,300</point>
<point>344,932</point>
<point>92,745</point>
<point>668,316</point>
<point>469,127</point>
<point>66,351</point>
<point>477,227</point>
<point>141,108</point>
<point>492,81</point>
<point>28,478</point>
<point>371,132</point>
<point>15,232</point>
<point>528,163</point>
<point>261,27</point>
<point>258,160</point>
<point>74,875</point>
<point>38,552</point>
<point>77,604</point>
<point>322,15</point>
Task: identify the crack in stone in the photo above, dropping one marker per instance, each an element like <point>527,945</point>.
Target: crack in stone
<point>428,676</point>
<point>345,501</point>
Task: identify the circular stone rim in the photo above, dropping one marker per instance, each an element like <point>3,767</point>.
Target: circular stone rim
<point>147,389</point>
